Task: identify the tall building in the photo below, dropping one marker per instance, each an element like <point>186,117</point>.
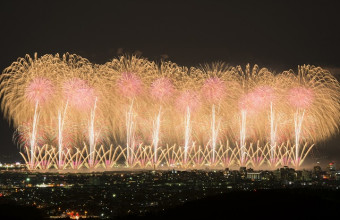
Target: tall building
<point>306,175</point>
<point>243,172</point>
<point>331,170</point>
<point>317,169</point>
<point>337,176</point>
<point>331,166</point>
<point>254,175</point>
<point>288,174</point>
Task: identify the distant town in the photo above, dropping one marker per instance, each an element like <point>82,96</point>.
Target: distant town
<point>122,193</point>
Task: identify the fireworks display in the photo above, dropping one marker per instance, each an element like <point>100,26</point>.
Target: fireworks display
<point>131,112</point>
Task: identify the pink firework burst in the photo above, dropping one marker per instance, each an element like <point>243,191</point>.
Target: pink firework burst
<point>265,95</point>
<point>213,90</point>
<point>257,100</point>
<point>300,97</point>
<point>188,99</point>
<point>39,90</point>
<point>162,89</point>
<point>24,132</point>
<point>79,94</point>
<point>129,85</point>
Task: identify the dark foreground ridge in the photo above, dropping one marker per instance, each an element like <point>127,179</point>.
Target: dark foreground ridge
<point>264,204</point>
<point>9,210</point>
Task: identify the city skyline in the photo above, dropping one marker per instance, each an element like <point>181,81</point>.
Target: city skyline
<point>152,194</point>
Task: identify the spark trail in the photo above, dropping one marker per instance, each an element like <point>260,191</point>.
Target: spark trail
<point>155,134</point>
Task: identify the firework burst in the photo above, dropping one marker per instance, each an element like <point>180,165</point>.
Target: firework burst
<point>39,90</point>
<point>214,90</point>
<point>162,89</point>
<point>188,99</point>
<point>79,94</point>
<point>300,97</point>
<point>217,114</point>
<point>129,85</point>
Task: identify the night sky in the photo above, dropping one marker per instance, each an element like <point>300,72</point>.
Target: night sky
<point>278,35</point>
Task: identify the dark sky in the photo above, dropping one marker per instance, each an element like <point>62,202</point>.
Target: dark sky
<point>276,34</point>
